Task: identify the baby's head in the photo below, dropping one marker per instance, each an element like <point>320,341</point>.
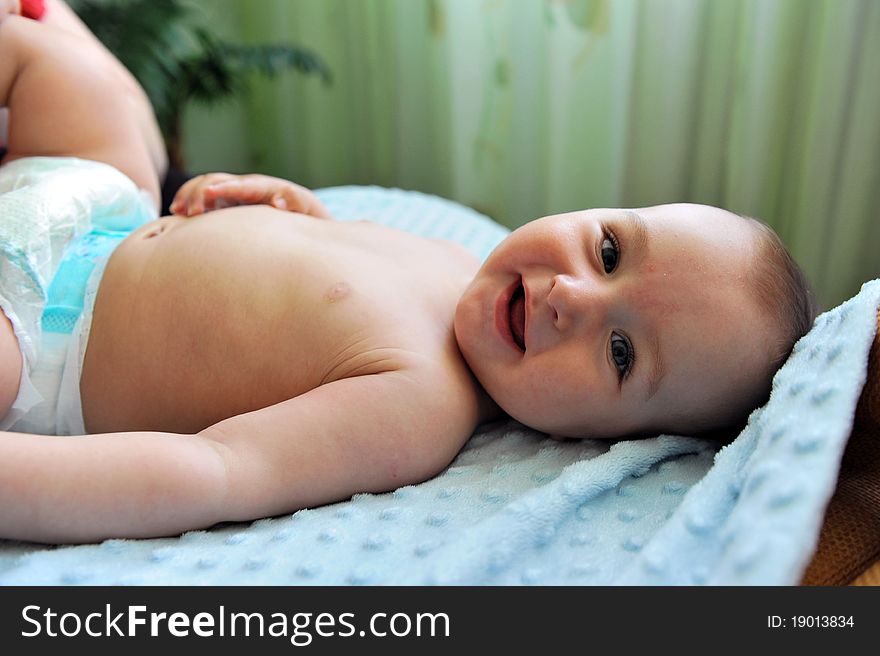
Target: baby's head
<point>608,322</point>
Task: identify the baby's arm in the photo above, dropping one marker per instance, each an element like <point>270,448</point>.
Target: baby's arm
<point>66,99</point>
<point>371,433</point>
<point>365,434</point>
<point>214,191</point>
<point>85,489</point>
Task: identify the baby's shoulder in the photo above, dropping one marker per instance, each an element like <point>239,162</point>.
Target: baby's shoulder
<point>442,386</point>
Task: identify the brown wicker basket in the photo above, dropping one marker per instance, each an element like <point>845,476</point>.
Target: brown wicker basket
<point>849,544</point>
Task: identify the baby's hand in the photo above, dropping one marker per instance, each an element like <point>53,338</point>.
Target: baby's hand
<point>214,191</point>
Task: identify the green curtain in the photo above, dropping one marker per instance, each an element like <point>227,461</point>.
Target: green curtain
<point>523,108</point>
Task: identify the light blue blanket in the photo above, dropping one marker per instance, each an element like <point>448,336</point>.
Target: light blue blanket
<point>518,508</point>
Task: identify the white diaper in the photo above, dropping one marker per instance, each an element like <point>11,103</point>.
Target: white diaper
<point>48,400</point>
<point>60,219</point>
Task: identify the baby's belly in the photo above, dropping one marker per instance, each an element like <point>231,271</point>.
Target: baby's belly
<point>197,320</point>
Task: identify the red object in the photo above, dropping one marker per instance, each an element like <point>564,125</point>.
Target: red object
<point>33,9</point>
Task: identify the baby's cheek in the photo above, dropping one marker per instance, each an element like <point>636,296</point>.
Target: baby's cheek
<point>659,300</point>
<point>568,376</point>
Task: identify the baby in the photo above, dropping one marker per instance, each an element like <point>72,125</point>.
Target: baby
<point>252,360</point>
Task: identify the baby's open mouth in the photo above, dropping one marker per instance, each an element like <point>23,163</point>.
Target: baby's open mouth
<point>518,316</point>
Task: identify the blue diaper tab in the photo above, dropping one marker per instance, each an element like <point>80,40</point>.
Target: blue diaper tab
<point>61,219</point>
<point>66,293</point>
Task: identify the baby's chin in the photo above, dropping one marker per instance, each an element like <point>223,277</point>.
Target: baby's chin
<point>558,426</point>
<point>539,421</point>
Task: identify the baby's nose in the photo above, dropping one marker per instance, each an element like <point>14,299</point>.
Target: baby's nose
<point>578,301</point>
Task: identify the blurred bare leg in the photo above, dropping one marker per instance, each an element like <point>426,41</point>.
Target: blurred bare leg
<point>59,15</point>
<point>10,365</point>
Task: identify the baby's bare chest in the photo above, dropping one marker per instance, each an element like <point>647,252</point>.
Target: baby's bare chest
<point>217,320</point>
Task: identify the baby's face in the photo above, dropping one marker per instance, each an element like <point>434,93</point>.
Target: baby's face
<point>606,322</point>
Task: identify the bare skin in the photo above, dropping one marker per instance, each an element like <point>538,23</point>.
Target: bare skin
<point>59,17</point>
<point>91,111</point>
<point>241,364</point>
<point>242,308</point>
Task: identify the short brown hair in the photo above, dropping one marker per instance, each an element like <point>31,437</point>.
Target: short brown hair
<point>785,296</point>
<point>783,291</point>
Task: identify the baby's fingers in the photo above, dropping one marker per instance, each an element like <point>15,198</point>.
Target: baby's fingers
<point>294,198</point>
<point>191,198</point>
<point>182,198</point>
<point>235,192</point>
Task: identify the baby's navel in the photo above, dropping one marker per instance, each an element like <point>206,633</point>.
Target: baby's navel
<point>158,227</point>
<point>337,292</point>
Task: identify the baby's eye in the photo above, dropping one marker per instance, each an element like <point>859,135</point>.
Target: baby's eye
<point>622,354</point>
<point>610,252</point>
